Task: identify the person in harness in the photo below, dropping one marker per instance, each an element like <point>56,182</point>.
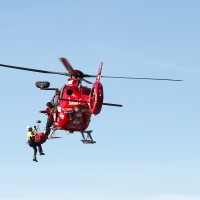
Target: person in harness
<point>48,111</point>
<point>31,141</point>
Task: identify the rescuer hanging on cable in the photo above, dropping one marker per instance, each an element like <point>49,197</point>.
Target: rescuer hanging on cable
<point>31,141</point>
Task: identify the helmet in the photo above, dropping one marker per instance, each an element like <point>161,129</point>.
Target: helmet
<point>49,104</point>
<point>29,127</point>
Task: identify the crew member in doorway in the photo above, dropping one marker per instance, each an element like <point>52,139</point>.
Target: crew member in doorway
<point>49,111</point>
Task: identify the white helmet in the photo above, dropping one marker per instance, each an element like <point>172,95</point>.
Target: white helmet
<point>28,127</point>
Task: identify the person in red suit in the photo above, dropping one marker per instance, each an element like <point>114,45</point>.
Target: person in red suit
<point>49,112</point>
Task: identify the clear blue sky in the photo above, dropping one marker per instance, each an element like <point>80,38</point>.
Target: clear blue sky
<point>147,150</point>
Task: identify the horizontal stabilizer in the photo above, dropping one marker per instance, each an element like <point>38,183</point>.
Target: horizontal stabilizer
<point>111,104</point>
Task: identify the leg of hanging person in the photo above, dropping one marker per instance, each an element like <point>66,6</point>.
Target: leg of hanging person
<point>48,126</point>
<point>40,149</point>
<point>35,152</point>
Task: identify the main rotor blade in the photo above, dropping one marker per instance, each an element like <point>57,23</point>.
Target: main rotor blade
<point>71,72</point>
<point>35,70</point>
<point>122,77</point>
<point>89,76</point>
<point>67,66</point>
<point>87,81</point>
<point>155,79</point>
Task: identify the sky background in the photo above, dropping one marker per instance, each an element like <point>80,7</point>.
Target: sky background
<point>147,150</point>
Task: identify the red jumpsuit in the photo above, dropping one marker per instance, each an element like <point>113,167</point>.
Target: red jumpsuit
<point>49,112</point>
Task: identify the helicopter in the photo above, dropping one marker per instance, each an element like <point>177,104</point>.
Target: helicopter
<point>74,104</point>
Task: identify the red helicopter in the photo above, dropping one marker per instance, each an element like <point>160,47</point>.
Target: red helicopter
<point>74,103</point>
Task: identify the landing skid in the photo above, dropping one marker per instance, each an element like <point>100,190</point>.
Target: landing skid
<point>52,134</point>
<point>88,138</point>
<point>86,135</point>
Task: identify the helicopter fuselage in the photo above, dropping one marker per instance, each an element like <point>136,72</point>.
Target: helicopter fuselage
<point>72,110</point>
